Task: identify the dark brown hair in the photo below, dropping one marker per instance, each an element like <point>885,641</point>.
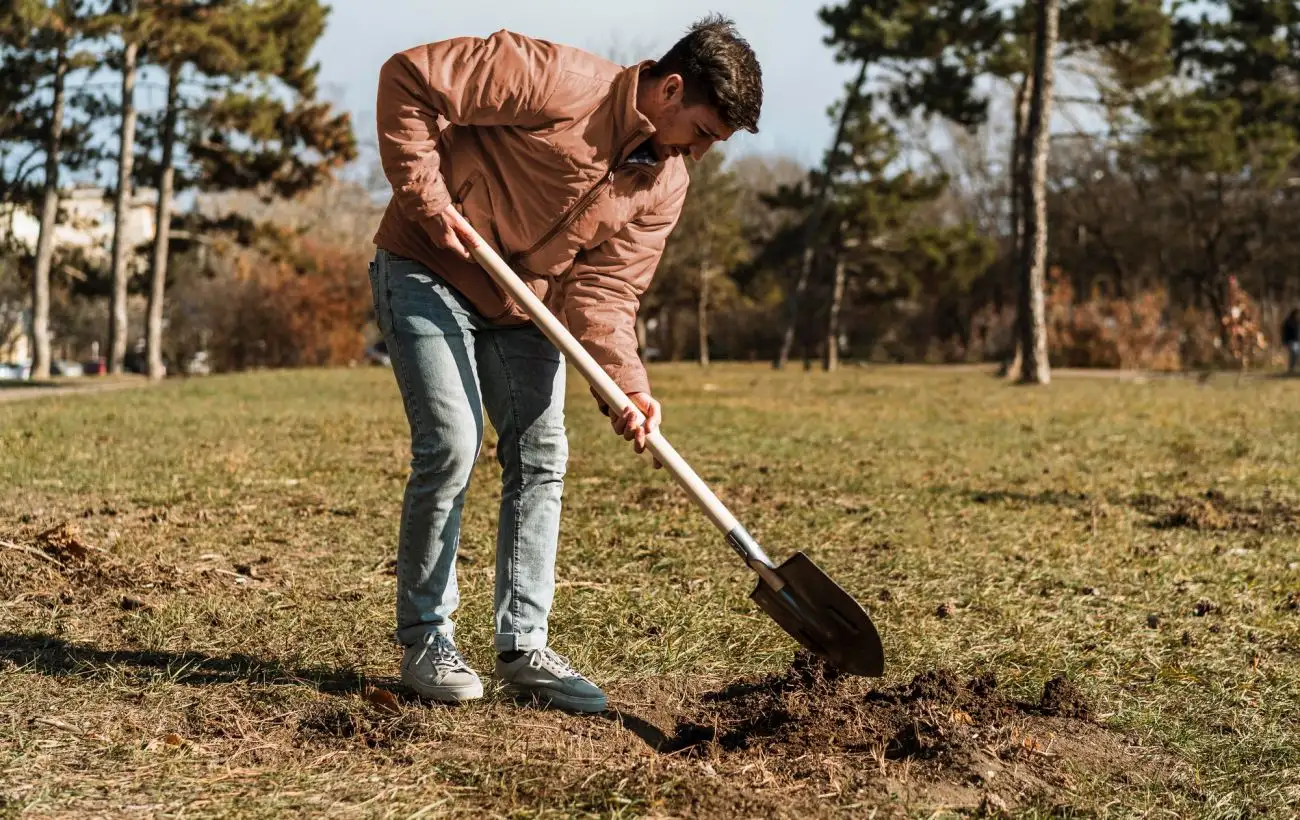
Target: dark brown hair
<point>719,68</point>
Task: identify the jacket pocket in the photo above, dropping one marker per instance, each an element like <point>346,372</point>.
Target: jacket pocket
<point>474,201</point>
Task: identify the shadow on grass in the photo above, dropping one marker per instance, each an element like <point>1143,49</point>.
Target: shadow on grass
<point>24,384</point>
<point>56,657</point>
<point>650,734</point>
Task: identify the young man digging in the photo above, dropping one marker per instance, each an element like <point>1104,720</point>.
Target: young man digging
<point>571,167</point>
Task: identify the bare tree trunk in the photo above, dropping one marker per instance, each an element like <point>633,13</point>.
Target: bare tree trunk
<point>162,230</point>
<point>832,360</point>
<point>1019,175</point>
<point>1035,368</point>
<point>49,217</point>
<point>813,223</point>
<point>1018,169</point>
<point>702,314</point>
<point>117,327</point>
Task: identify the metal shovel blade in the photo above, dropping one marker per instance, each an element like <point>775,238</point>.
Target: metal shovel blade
<point>821,616</point>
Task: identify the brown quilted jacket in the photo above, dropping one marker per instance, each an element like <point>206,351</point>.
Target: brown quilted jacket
<point>531,141</point>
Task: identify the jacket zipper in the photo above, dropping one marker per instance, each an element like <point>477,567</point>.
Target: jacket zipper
<point>579,206</point>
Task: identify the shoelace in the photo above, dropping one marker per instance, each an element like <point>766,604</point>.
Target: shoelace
<point>557,664</point>
<point>442,654</point>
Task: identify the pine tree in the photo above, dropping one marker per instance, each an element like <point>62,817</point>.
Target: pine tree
<point>52,38</point>
<point>127,22</point>
<point>240,112</point>
<point>186,40</point>
<point>932,53</point>
<point>1225,143</point>
<point>707,244</point>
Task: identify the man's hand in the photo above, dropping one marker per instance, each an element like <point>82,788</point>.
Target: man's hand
<point>440,231</point>
<point>625,423</point>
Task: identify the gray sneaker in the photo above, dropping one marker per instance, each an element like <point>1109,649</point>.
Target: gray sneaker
<point>435,669</point>
<point>550,679</point>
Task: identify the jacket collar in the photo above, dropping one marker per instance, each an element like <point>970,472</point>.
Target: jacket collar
<point>631,127</point>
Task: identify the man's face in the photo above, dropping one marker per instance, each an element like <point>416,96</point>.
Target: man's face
<point>682,129</point>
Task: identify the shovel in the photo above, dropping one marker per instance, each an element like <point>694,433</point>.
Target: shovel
<point>801,598</point>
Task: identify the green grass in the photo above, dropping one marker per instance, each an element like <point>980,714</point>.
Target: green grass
<point>1055,521</point>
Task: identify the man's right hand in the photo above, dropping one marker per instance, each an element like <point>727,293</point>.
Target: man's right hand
<point>439,228</point>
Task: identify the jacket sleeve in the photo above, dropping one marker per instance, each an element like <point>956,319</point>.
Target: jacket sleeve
<point>602,290</point>
<point>505,79</point>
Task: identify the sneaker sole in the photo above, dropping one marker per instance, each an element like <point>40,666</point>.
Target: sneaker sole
<point>547,697</point>
<point>446,694</point>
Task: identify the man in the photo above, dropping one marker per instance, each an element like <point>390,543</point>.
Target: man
<point>571,167</point>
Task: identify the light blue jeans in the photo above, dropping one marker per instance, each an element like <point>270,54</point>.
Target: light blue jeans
<point>449,364</point>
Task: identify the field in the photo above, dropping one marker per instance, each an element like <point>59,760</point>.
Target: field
<point>1089,597</point>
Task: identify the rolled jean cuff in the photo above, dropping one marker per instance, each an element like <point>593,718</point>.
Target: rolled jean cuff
<point>520,641</point>
<point>412,635</point>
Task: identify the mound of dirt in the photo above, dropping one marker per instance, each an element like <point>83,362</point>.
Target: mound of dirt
<point>1062,697</point>
<point>956,740</point>
<point>1215,512</point>
<point>59,562</point>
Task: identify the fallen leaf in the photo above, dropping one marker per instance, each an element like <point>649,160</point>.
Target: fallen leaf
<point>172,739</point>
<point>383,700</point>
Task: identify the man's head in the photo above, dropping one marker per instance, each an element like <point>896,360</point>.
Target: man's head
<point>707,87</point>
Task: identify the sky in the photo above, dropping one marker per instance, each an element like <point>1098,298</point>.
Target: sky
<point>800,76</point>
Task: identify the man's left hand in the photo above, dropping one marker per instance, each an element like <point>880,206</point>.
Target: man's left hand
<point>625,423</point>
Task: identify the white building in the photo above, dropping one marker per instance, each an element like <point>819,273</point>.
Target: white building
<point>86,220</point>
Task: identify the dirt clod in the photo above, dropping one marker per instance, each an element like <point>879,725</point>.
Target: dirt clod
<point>939,684</point>
<point>810,672</point>
<point>1062,697</point>
<point>1153,621</point>
<point>64,544</point>
<point>945,610</point>
<point>993,806</point>
<point>1203,608</point>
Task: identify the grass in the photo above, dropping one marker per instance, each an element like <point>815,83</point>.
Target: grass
<point>222,600</point>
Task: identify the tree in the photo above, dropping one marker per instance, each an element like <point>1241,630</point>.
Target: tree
<point>706,245</point>
<point>879,243</point>
<point>1127,40</point>
<point>930,54</point>
<point>57,33</point>
<point>20,131</point>
<point>47,42</point>
<point>813,221</point>
<point>179,37</point>
<point>1032,310</point>
<point>127,25</point>
<point>1220,150</point>
<point>247,119</point>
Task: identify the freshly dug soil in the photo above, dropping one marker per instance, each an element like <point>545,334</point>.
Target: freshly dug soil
<point>939,739</point>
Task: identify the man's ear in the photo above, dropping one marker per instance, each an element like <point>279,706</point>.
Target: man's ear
<point>673,88</point>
